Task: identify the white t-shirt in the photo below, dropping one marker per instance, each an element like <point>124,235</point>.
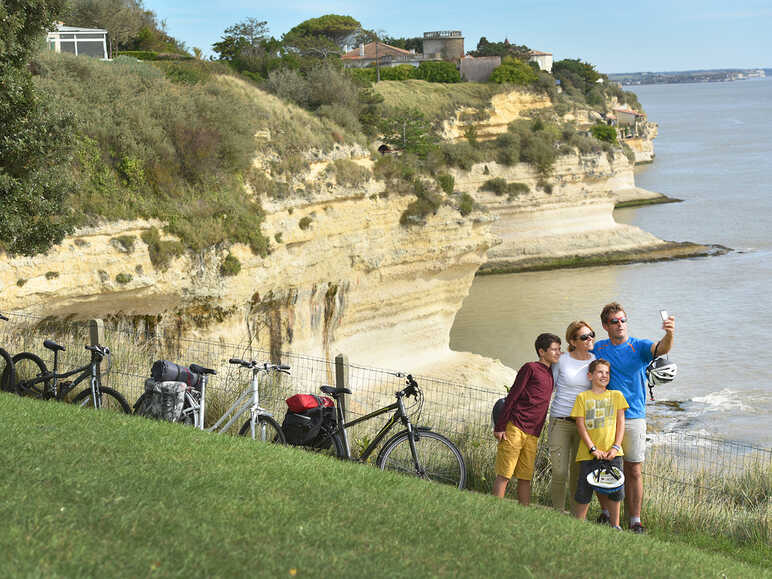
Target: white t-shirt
<point>570,380</point>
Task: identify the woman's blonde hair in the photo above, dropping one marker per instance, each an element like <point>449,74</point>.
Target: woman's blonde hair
<point>574,327</point>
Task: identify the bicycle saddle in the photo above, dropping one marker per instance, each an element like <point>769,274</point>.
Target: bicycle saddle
<point>332,391</point>
<point>196,369</point>
<point>51,345</point>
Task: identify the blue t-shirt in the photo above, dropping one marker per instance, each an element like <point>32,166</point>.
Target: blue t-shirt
<point>628,371</point>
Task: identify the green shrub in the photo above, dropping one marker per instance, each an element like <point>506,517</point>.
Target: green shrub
<point>124,243</point>
<point>350,174</point>
<point>161,252</point>
<point>466,204</point>
<point>230,266</point>
<point>399,72</point>
<point>20,282</point>
<point>507,148</point>
<point>461,155</point>
<point>604,133</point>
<point>427,203</point>
<point>500,186</point>
<point>446,183</point>
<point>52,275</point>
<point>497,186</point>
<point>438,71</point>
<point>123,278</point>
<point>305,222</point>
<point>513,71</point>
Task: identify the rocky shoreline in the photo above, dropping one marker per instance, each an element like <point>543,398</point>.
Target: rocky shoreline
<point>670,250</point>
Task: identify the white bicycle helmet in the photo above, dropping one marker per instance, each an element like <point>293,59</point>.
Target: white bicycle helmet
<point>605,478</point>
<point>660,371</point>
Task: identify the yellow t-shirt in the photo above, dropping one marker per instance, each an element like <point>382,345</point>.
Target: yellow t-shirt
<point>600,418</point>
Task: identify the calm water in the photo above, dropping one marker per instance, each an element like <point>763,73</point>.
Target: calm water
<point>713,151</point>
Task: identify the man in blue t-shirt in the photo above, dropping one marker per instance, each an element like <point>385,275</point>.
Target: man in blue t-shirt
<point>629,358</point>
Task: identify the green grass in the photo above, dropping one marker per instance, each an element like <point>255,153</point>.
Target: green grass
<point>437,100</point>
<point>87,493</point>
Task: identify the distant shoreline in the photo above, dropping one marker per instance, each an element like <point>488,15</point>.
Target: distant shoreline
<point>688,76</point>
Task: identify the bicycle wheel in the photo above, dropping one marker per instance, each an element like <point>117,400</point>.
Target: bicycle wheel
<point>7,374</point>
<point>27,366</point>
<point>440,460</point>
<point>112,401</point>
<point>266,430</point>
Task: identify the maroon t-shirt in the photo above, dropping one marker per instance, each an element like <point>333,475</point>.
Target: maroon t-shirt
<point>528,399</point>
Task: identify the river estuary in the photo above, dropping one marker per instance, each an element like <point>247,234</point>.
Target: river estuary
<point>713,151</point>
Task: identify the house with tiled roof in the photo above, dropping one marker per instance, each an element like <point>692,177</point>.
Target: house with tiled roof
<point>367,54</point>
<point>543,59</point>
<point>625,116</point>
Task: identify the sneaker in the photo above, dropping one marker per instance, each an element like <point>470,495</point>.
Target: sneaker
<point>638,528</point>
<point>603,519</point>
<point>617,528</point>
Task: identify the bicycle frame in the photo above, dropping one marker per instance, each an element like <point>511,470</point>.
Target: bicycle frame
<point>398,416</point>
<point>92,369</point>
<point>254,407</point>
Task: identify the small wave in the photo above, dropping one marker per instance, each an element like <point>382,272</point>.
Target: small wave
<point>726,399</point>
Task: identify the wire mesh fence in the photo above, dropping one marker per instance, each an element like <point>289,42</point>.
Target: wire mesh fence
<point>459,411</point>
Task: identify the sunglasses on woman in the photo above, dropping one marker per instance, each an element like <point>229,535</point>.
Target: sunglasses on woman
<point>585,337</point>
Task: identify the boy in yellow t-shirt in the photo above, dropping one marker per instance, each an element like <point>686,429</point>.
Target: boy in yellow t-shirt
<point>600,420</point>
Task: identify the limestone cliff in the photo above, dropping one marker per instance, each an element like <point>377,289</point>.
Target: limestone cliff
<point>343,275</point>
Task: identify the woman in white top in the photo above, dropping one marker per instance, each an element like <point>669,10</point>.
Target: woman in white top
<point>570,374</point>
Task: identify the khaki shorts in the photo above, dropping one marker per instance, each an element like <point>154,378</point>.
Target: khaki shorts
<point>516,454</point>
<point>634,442</point>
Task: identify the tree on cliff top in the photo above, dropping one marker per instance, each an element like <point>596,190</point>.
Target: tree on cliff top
<point>35,143</point>
<point>321,36</point>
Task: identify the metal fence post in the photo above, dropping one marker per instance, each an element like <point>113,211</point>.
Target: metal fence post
<point>96,330</point>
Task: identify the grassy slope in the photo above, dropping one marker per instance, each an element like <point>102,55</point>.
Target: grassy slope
<point>436,100</point>
<point>88,494</point>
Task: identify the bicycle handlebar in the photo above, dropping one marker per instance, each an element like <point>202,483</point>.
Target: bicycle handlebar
<point>265,366</point>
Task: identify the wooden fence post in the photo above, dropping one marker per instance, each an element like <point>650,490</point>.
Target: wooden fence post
<point>341,379</point>
<point>96,330</point>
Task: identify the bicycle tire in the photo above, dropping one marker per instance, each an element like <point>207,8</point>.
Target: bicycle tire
<point>111,400</point>
<point>441,460</point>
<point>26,366</point>
<point>8,375</point>
<point>266,430</point>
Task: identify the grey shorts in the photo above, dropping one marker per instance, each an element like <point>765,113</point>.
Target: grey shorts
<point>634,442</point>
<point>584,490</point>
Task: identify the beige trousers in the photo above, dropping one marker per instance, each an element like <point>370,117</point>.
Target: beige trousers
<point>563,443</point>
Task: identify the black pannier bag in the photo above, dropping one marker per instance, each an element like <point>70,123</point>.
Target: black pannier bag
<point>311,427</point>
<point>164,371</point>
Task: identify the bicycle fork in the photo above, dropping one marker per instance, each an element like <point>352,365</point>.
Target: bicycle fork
<point>420,471</point>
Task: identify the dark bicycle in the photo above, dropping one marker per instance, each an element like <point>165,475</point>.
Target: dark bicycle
<point>7,376</point>
<point>35,380</point>
<point>414,451</point>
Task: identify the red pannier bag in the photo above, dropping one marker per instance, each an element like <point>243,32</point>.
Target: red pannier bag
<point>303,402</point>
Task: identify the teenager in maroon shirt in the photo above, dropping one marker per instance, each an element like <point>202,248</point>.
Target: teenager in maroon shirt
<point>520,423</point>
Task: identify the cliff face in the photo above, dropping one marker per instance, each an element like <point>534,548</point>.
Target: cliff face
<point>350,280</point>
<point>343,274</point>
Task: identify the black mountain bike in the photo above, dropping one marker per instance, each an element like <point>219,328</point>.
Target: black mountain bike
<point>415,451</point>
<point>7,375</point>
<point>35,380</point>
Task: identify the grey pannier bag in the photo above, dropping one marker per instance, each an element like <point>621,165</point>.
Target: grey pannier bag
<point>164,400</point>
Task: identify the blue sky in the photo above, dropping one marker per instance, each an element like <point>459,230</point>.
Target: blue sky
<point>652,35</point>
